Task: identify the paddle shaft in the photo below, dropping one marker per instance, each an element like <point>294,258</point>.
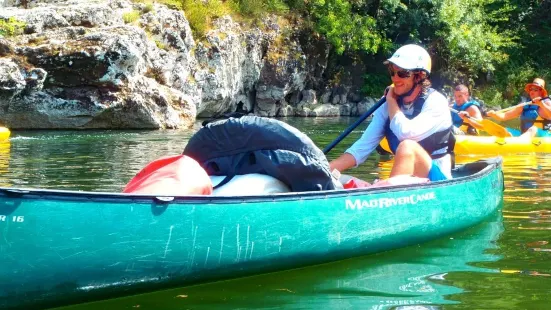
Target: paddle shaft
<point>353,126</point>
<point>468,116</point>
<point>518,105</point>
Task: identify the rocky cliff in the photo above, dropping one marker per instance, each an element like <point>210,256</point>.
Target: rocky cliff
<point>79,64</point>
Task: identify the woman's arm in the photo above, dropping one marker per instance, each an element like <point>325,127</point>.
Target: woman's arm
<point>545,108</point>
<point>500,116</point>
<point>358,152</point>
<point>344,162</point>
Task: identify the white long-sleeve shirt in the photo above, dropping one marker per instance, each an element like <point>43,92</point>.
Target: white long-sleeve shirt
<point>434,117</point>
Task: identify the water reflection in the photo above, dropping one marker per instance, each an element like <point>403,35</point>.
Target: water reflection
<point>87,160</point>
<point>410,276</point>
<point>4,160</point>
<point>528,176</point>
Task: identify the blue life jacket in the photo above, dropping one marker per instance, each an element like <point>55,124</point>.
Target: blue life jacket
<point>530,116</point>
<point>458,121</point>
<point>437,145</point>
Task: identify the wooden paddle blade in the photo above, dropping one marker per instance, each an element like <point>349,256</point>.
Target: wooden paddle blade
<point>495,129</point>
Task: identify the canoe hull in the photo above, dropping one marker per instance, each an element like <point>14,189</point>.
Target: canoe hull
<point>490,145</point>
<point>64,247</point>
<point>498,146</point>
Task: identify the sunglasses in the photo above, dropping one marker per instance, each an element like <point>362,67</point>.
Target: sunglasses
<point>533,89</point>
<point>403,74</point>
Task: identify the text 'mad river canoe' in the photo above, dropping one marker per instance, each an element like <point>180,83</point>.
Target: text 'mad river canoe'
<point>62,247</point>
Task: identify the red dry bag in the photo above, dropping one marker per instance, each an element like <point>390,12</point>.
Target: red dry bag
<point>172,175</point>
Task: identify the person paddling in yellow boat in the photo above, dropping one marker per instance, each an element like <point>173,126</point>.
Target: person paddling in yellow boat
<point>535,118</point>
<point>415,120</point>
<point>469,110</point>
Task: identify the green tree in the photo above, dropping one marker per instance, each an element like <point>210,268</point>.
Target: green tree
<point>345,27</point>
<point>472,44</point>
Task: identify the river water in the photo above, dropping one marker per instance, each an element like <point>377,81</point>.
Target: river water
<point>501,264</point>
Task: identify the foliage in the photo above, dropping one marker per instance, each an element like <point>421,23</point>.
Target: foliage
<point>173,4</point>
<point>130,17</point>
<point>257,8</point>
<point>161,45</point>
<point>496,46</point>
<point>411,22</point>
<point>345,28</point>
<point>148,8</point>
<point>509,82</point>
<point>11,27</point>
<point>201,14</point>
<point>531,22</point>
<point>375,84</point>
<point>492,97</point>
<point>472,44</point>
<point>277,6</point>
<point>148,5</point>
<point>254,8</point>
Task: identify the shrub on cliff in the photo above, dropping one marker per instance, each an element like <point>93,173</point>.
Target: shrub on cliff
<point>11,27</point>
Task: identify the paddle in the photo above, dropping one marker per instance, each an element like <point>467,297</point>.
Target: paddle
<point>489,126</point>
<point>518,105</point>
<point>353,126</point>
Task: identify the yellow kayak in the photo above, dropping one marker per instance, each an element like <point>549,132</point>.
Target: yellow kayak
<point>495,145</point>
<point>4,133</point>
<point>489,145</point>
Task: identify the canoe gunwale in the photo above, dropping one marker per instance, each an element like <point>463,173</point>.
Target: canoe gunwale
<point>34,193</point>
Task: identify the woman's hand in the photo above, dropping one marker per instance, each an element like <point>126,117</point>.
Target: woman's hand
<point>491,113</point>
<point>392,102</point>
<point>537,101</point>
<point>390,95</point>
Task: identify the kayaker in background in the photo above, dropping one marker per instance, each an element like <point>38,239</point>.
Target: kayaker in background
<point>415,120</point>
<point>467,107</point>
<point>535,118</point>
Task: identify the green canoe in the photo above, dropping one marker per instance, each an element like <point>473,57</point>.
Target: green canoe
<point>61,247</point>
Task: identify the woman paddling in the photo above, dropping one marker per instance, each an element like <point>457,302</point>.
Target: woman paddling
<point>535,118</point>
<point>415,120</point>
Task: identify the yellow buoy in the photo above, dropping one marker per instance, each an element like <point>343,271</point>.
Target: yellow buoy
<point>4,133</point>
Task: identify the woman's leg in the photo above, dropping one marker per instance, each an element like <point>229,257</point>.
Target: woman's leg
<point>530,133</point>
<point>411,159</point>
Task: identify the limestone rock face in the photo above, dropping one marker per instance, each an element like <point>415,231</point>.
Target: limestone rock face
<point>81,66</point>
<point>12,81</point>
<point>85,64</point>
<point>229,69</point>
